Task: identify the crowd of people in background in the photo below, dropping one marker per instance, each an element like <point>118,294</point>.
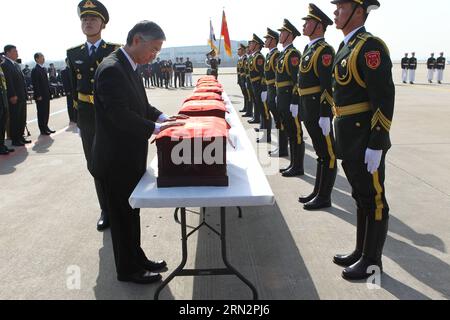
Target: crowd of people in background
<point>166,74</point>
<point>434,66</point>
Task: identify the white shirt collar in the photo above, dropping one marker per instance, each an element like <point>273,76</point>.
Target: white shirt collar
<point>314,41</point>
<point>351,34</point>
<point>97,44</point>
<point>41,65</point>
<point>133,64</point>
<point>284,48</point>
<point>13,62</point>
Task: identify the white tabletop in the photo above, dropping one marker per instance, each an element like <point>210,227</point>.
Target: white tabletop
<point>248,185</point>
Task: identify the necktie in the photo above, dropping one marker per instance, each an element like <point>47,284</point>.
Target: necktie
<point>93,49</point>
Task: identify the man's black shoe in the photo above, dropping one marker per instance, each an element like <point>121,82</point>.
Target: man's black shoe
<point>51,131</point>
<point>143,277</point>
<point>18,143</point>
<point>4,150</point>
<point>45,133</point>
<point>103,222</point>
<point>154,266</point>
<point>25,141</point>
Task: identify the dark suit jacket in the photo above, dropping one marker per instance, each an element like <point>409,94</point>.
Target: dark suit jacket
<point>41,87</point>
<point>15,82</point>
<point>124,122</point>
<point>67,82</point>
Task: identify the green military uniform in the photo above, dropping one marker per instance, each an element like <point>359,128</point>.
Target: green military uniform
<point>248,85</point>
<point>241,77</point>
<point>315,102</point>
<point>364,95</point>
<point>286,80</point>
<point>82,64</point>
<point>3,112</point>
<point>256,73</point>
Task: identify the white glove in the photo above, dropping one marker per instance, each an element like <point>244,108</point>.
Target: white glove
<point>325,125</point>
<point>373,159</point>
<point>276,100</point>
<point>294,110</point>
<point>264,96</point>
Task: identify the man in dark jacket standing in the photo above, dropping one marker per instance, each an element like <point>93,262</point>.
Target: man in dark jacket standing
<point>125,117</point>
<point>41,91</point>
<point>17,96</point>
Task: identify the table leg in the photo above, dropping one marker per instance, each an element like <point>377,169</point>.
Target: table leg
<point>185,255</point>
<point>225,258</point>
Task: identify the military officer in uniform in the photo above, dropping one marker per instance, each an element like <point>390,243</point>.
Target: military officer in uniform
<point>256,71</point>
<point>248,83</point>
<point>315,100</point>
<point>4,150</point>
<point>269,90</point>
<point>412,66</point>
<point>364,95</point>
<point>440,66</point>
<point>286,80</point>
<point>405,66</point>
<point>241,76</point>
<point>213,63</point>
<point>83,61</point>
<point>431,66</point>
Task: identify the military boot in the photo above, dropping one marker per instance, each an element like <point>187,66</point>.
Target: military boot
<point>316,184</point>
<point>297,168</point>
<point>376,233</point>
<point>346,260</point>
<point>323,198</point>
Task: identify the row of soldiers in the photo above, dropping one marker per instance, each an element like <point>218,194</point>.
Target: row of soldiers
<point>354,87</point>
<point>409,66</point>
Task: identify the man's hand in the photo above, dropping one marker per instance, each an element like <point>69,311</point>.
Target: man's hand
<point>325,125</point>
<point>13,100</point>
<point>264,96</point>
<point>177,117</point>
<point>294,110</point>
<point>373,160</point>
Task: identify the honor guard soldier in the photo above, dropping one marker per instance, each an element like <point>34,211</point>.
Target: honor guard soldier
<point>213,63</point>
<point>248,83</point>
<point>256,71</point>
<point>314,88</point>
<point>241,77</point>
<point>440,66</point>
<point>269,90</point>
<point>405,66</point>
<point>412,66</point>
<point>431,66</point>
<point>286,80</point>
<point>364,95</point>
<point>83,61</point>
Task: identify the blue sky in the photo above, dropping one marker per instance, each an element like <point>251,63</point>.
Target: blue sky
<point>52,26</point>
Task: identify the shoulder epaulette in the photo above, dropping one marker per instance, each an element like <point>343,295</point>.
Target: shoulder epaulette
<point>80,46</point>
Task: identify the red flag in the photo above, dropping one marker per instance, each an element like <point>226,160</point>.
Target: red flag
<point>226,36</point>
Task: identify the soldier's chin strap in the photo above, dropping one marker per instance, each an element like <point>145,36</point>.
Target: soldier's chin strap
<point>314,30</point>
<point>350,18</point>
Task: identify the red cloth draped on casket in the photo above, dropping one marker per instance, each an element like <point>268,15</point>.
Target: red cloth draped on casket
<point>209,88</point>
<point>204,96</point>
<point>204,108</point>
<point>194,154</point>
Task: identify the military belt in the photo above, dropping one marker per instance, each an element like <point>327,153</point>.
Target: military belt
<point>284,84</point>
<point>255,79</point>
<point>270,82</point>
<point>340,111</point>
<point>86,98</point>
<point>309,91</point>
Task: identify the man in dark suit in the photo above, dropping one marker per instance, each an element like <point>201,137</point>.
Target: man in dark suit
<point>17,96</point>
<point>125,117</point>
<point>41,91</point>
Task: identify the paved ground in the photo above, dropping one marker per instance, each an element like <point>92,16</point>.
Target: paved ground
<point>48,212</point>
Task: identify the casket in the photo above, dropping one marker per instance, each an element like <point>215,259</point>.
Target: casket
<point>214,89</point>
<point>194,154</point>
<point>204,96</point>
<point>204,108</point>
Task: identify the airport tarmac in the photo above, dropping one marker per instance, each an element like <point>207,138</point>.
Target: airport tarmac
<point>49,210</point>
